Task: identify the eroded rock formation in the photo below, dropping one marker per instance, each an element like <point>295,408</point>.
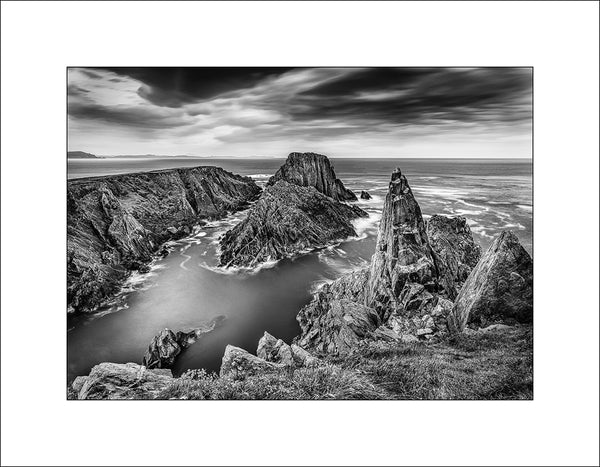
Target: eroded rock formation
<point>365,195</point>
<point>116,223</point>
<point>499,289</point>
<point>312,170</point>
<point>286,220</point>
<point>403,256</point>
<point>167,345</point>
<point>452,240</point>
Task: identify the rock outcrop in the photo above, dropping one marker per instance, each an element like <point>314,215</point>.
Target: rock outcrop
<point>312,170</point>
<point>365,195</point>
<point>167,345</point>
<point>335,325</point>
<point>499,289</point>
<point>115,224</point>
<point>286,220</point>
<point>403,256</point>
<point>238,364</point>
<point>275,350</point>
<point>407,288</point>
<point>121,381</point>
<point>452,240</point>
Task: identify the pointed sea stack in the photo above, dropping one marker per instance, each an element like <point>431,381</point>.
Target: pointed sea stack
<point>403,254</point>
<point>499,289</point>
<point>310,169</point>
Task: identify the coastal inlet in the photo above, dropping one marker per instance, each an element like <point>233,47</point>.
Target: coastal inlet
<point>187,287</point>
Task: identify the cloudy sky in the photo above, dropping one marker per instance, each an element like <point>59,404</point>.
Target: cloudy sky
<point>341,112</point>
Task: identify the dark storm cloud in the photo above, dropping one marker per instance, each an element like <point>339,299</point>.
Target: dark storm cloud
<point>174,87</point>
<point>130,116</point>
<point>90,74</point>
<point>419,95</point>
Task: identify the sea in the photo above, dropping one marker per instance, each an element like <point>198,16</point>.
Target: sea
<point>187,288</point>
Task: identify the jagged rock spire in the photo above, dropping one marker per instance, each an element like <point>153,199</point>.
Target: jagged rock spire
<point>403,254</point>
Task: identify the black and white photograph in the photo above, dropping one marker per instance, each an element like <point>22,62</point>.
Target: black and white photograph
<point>300,233</point>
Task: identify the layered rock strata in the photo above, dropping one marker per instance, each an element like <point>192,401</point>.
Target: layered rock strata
<point>312,170</point>
<point>115,224</point>
<point>286,220</point>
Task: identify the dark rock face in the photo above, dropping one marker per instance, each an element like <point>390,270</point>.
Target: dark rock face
<point>452,240</point>
<point>167,345</point>
<point>335,325</point>
<point>115,224</point>
<point>285,220</point>
<point>315,170</point>
<point>121,381</point>
<point>499,289</point>
<point>365,195</point>
<point>403,255</point>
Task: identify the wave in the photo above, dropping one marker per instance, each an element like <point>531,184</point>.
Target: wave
<point>364,225</point>
<point>236,270</point>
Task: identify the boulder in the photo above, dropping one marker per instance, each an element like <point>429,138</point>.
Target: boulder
<point>499,289</point>
<point>365,195</point>
<point>122,381</point>
<point>451,239</point>
<point>237,364</point>
<point>286,220</point>
<point>335,326</point>
<point>312,170</point>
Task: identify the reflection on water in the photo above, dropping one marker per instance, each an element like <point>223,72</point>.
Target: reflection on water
<point>187,288</point>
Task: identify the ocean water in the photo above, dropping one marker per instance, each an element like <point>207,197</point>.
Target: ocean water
<point>187,288</point>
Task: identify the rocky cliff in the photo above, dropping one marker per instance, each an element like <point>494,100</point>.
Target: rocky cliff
<point>116,223</point>
<point>499,289</point>
<point>287,219</point>
<point>310,169</point>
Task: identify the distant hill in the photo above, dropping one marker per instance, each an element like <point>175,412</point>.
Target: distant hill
<point>80,155</point>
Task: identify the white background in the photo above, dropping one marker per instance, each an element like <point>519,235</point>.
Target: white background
<point>39,40</point>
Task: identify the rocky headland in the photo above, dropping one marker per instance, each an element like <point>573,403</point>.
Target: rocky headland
<point>429,318</point>
<point>115,224</point>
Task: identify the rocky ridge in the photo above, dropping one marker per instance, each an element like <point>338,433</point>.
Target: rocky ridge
<point>115,224</point>
<point>286,220</point>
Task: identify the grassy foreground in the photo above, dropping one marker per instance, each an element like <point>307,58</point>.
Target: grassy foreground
<point>483,365</point>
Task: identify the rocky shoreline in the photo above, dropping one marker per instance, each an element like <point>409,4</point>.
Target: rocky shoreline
<point>117,224</point>
<point>427,283</point>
